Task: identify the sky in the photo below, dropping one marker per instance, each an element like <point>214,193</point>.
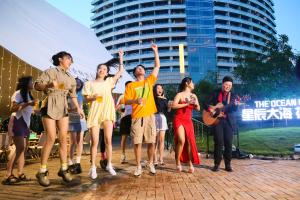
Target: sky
<point>287,14</point>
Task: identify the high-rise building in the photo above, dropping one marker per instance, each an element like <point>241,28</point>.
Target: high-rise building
<point>211,31</point>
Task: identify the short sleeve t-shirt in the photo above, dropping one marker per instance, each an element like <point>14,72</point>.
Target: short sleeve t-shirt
<point>142,89</point>
<point>25,112</point>
<point>128,108</point>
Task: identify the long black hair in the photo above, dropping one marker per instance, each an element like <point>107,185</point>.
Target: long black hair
<point>155,90</point>
<point>56,57</point>
<point>81,84</point>
<point>23,83</point>
<point>183,84</point>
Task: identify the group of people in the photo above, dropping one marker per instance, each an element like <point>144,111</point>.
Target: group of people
<point>143,109</point>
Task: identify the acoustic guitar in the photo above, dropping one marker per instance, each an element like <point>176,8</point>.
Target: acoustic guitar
<point>212,118</point>
<point>217,111</point>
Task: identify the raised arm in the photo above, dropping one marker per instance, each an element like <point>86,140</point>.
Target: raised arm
<point>121,66</point>
<point>157,62</point>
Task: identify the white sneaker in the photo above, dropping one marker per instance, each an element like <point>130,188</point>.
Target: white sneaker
<point>93,173</point>
<point>144,163</point>
<point>111,170</point>
<point>123,159</point>
<point>152,168</point>
<point>138,171</point>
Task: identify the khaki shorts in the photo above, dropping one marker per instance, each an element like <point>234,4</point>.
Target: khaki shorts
<point>143,130</point>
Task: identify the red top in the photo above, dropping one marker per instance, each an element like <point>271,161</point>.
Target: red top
<point>183,117</point>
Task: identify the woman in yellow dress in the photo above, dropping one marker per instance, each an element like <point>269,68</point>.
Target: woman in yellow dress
<point>102,112</point>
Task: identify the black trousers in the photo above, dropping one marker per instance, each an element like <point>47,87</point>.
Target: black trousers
<point>223,136</point>
<point>101,141</point>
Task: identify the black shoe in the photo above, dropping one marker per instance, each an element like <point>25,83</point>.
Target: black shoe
<point>78,168</point>
<point>228,168</point>
<point>24,178</point>
<point>66,175</point>
<point>215,168</point>
<point>75,168</point>
<point>103,164</point>
<point>43,178</point>
<point>72,168</point>
<point>10,180</point>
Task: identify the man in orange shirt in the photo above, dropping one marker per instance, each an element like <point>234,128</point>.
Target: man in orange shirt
<point>139,94</point>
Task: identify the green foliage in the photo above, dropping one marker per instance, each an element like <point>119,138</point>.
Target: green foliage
<point>270,141</point>
<point>204,88</point>
<point>171,91</point>
<point>268,75</point>
<point>267,141</point>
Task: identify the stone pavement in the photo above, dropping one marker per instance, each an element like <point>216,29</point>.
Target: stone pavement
<point>251,179</point>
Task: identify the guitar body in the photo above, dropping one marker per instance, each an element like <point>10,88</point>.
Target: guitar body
<point>208,119</point>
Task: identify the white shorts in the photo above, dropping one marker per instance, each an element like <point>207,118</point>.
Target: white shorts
<point>161,122</point>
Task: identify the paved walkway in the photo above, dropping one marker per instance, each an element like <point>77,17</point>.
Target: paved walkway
<point>251,179</point>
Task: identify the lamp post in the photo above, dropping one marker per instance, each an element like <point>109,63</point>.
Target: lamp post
<point>181,61</point>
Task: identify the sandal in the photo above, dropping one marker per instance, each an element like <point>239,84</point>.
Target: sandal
<point>10,180</point>
<point>179,168</point>
<point>23,177</point>
<point>191,170</point>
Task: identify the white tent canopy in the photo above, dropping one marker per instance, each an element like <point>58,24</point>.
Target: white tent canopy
<point>34,31</point>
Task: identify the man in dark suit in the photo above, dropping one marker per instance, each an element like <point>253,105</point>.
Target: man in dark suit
<point>227,104</point>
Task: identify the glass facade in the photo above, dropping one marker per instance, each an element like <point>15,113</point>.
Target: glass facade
<point>212,31</point>
<point>201,38</point>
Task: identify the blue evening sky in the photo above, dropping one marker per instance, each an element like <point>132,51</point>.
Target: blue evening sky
<point>287,13</point>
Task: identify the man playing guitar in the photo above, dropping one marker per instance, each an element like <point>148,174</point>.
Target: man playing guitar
<point>222,105</point>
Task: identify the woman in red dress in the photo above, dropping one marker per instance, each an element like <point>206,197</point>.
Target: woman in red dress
<point>185,145</point>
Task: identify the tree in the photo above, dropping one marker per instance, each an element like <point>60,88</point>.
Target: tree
<point>205,87</point>
<point>298,68</point>
<point>171,91</point>
<point>268,75</point>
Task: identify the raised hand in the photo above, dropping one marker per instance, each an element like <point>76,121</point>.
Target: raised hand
<point>154,47</point>
<point>121,53</point>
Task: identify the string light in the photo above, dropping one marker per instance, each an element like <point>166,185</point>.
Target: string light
<point>30,70</point>
<point>24,70</point>
<point>9,92</point>
<point>1,75</point>
<point>9,77</point>
<point>18,68</point>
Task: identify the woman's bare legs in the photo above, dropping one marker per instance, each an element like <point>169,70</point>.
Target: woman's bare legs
<point>108,130</point>
<point>161,145</point>
<point>63,125</point>
<point>50,131</point>
<point>180,144</point>
<point>94,144</point>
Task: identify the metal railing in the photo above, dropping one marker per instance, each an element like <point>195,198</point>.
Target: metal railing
<point>201,132</point>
